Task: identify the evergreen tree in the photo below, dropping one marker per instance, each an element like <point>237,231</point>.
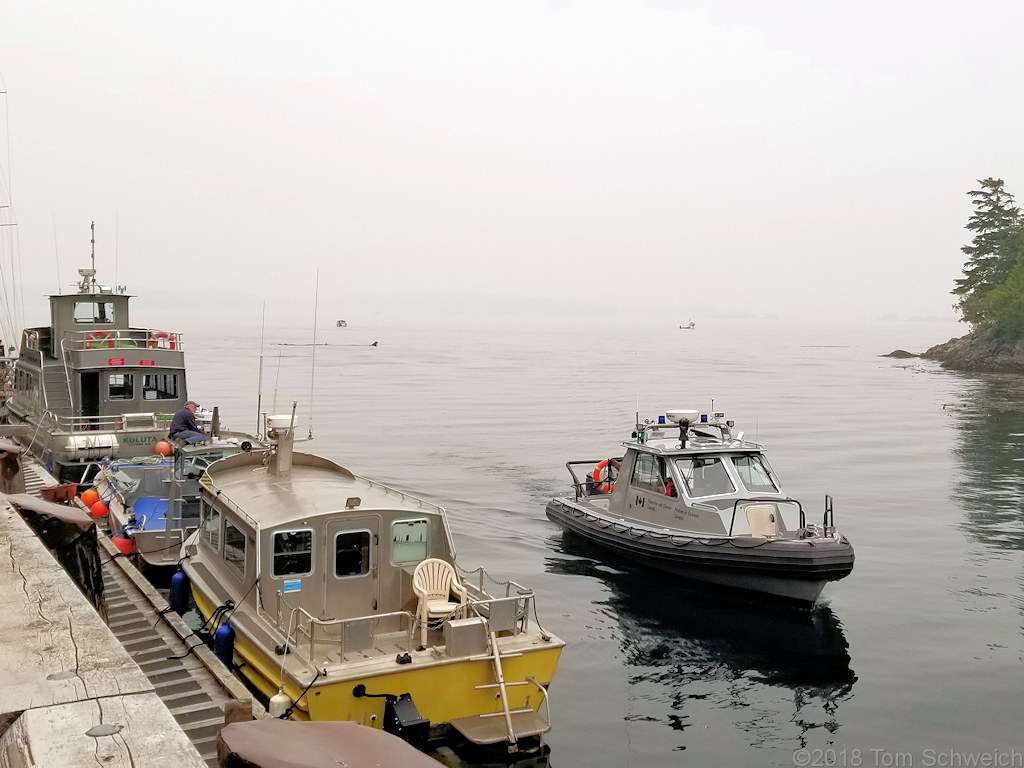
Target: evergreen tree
<point>992,254</point>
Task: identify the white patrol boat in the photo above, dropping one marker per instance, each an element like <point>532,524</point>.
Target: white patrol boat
<point>338,598</point>
<point>690,498</point>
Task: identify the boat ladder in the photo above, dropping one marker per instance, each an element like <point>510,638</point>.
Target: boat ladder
<point>514,724</point>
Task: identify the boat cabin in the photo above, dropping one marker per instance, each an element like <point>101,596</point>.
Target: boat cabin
<point>687,470</point>
<point>90,386</point>
<point>321,539</point>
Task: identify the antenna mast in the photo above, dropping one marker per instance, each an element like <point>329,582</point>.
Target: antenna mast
<point>312,373</point>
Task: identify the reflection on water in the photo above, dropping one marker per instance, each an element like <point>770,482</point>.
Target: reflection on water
<point>990,451</point>
<point>707,646</point>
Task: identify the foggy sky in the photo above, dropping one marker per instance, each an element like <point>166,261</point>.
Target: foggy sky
<point>790,159</point>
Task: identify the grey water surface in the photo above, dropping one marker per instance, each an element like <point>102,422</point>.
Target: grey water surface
<point>915,659</point>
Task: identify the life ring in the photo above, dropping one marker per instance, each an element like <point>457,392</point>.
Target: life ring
<point>161,339</point>
<point>604,476</point>
<point>99,336</point>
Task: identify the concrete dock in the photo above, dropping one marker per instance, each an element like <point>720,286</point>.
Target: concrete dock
<point>71,694</point>
<point>141,692</point>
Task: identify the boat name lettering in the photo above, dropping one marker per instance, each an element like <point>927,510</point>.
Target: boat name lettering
<point>115,361</point>
<point>144,439</point>
<point>292,585</point>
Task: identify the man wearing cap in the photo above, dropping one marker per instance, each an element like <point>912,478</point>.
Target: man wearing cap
<point>184,427</point>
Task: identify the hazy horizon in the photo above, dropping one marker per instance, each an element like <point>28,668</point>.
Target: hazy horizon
<point>800,161</point>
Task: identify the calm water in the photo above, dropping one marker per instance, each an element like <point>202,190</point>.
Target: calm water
<point>915,659</point>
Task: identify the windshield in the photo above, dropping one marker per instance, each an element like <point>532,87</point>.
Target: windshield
<point>754,473</point>
<point>705,476</point>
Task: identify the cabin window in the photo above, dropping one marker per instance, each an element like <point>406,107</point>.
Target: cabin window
<point>293,553</point>
<point>705,476</point>
<point>408,541</point>
<point>234,548</point>
<point>122,386</point>
<point>646,474</point>
<point>352,553</point>
<point>754,474</point>
<point>94,312</point>
<point>160,386</point>
<point>211,527</point>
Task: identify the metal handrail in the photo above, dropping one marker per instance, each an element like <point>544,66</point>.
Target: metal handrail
<point>312,623</point>
<point>122,338</point>
<point>765,499</point>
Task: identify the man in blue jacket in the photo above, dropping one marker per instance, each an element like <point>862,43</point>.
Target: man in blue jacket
<point>184,427</point>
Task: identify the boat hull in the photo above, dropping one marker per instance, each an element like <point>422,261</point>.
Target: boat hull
<point>790,567</point>
<point>443,689</point>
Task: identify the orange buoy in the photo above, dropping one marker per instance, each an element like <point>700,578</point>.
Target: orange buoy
<point>125,544</point>
<point>90,497</point>
<point>99,509</point>
<point>163,448</point>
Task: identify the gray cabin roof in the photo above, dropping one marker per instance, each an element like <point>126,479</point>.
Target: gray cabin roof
<point>313,486</point>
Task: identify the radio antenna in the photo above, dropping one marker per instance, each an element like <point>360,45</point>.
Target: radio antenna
<point>312,373</point>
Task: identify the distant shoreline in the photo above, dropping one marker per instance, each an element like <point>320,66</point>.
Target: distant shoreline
<point>981,352</point>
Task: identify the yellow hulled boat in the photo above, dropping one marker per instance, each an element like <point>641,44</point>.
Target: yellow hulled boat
<point>339,598</point>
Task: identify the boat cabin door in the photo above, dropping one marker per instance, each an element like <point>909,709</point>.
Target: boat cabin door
<point>351,575</point>
<point>90,383</point>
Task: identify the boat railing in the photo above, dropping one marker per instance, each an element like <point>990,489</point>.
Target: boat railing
<point>123,338</point>
<point>422,502</point>
<point>504,613</point>
<point>315,639</point>
<point>765,500</point>
<point>587,486</point>
<point>110,422</point>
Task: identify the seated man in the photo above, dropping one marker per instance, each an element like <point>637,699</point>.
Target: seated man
<point>184,427</point>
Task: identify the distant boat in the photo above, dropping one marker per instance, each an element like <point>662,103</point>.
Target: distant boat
<point>342,324</point>
<point>688,327</point>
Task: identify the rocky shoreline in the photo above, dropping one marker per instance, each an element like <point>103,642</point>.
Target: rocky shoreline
<point>975,352</point>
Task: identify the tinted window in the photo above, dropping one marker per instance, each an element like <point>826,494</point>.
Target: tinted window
<point>211,527</point>
<point>234,548</point>
<point>352,553</point>
<point>293,553</point>
<point>160,386</point>
<point>94,312</point>
<point>122,386</point>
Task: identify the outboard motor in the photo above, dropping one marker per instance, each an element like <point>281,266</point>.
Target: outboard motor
<point>401,717</point>
<point>405,721</point>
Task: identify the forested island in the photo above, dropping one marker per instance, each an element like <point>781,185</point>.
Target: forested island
<point>990,295</point>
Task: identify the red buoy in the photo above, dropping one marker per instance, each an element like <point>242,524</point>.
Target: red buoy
<point>99,509</point>
<point>125,544</point>
<point>163,448</point>
<point>90,497</point>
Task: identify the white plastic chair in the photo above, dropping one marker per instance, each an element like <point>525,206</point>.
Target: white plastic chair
<point>435,583</point>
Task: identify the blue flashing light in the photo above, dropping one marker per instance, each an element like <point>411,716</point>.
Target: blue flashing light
<point>661,419</point>
<point>703,418</point>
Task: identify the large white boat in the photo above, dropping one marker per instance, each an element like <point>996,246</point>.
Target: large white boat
<point>690,498</point>
<point>340,599</point>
